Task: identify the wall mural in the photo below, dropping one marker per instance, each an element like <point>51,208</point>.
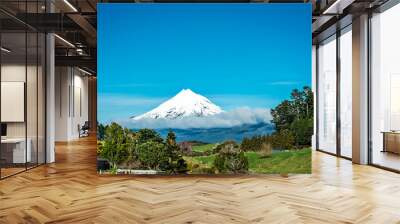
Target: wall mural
<point>204,89</point>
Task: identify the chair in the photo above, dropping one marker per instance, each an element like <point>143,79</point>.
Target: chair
<point>84,130</point>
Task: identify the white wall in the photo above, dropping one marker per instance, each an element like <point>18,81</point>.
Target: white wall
<point>71,102</point>
<point>62,82</point>
<point>80,110</point>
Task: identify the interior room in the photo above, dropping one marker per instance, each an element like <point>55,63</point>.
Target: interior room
<point>27,140</point>
<point>22,101</point>
<point>51,134</point>
<point>385,90</point>
<point>71,103</point>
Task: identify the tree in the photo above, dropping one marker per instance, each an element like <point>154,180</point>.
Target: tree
<point>176,163</point>
<point>295,116</point>
<point>303,102</point>
<point>255,143</point>
<point>302,130</point>
<point>283,139</point>
<point>297,103</point>
<point>145,135</point>
<point>152,154</point>
<point>309,102</point>
<point>171,138</point>
<point>283,115</point>
<point>132,155</point>
<point>117,145</point>
<point>101,129</point>
<point>298,107</point>
<point>246,144</point>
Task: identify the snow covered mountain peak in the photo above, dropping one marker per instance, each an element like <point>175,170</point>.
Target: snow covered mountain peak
<point>184,104</point>
<point>186,93</point>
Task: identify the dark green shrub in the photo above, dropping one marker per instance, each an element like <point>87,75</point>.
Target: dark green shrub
<point>293,120</point>
<point>180,166</point>
<point>283,115</point>
<point>101,131</point>
<point>176,164</point>
<point>300,106</point>
<point>255,143</point>
<point>146,135</point>
<point>302,130</point>
<point>153,155</point>
<point>283,139</point>
<point>230,159</point>
<point>117,146</point>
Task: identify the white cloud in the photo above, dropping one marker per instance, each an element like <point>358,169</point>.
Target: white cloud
<point>283,83</point>
<point>232,118</point>
<point>232,101</point>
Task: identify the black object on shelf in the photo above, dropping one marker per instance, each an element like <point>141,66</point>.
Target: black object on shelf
<point>3,129</point>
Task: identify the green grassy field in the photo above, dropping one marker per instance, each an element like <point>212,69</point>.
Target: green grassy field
<point>203,148</point>
<point>296,161</point>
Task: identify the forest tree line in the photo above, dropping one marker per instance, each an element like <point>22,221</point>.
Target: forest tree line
<point>293,120</point>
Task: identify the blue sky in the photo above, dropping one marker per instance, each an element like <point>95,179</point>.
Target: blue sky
<point>236,55</point>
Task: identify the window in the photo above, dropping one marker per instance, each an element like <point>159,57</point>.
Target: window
<point>346,92</point>
<point>22,88</point>
<point>327,95</point>
<point>385,89</point>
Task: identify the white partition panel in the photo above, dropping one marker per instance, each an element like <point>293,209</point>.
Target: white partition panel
<point>12,101</point>
<point>346,94</point>
<point>327,96</point>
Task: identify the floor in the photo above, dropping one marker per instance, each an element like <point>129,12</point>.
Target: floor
<point>5,172</point>
<point>386,159</point>
<point>10,171</point>
<point>70,191</point>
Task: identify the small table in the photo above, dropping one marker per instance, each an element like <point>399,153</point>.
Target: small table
<point>391,141</point>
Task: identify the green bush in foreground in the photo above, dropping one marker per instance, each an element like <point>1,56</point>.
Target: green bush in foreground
<point>117,145</point>
<point>152,155</point>
<point>230,159</point>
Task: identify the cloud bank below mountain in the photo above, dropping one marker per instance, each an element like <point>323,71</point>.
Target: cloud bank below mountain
<point>231,118</point>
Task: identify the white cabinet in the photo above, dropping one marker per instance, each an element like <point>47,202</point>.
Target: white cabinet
<point>18,149</point>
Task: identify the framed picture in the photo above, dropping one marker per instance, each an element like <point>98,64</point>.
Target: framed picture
<point>204,89</point>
